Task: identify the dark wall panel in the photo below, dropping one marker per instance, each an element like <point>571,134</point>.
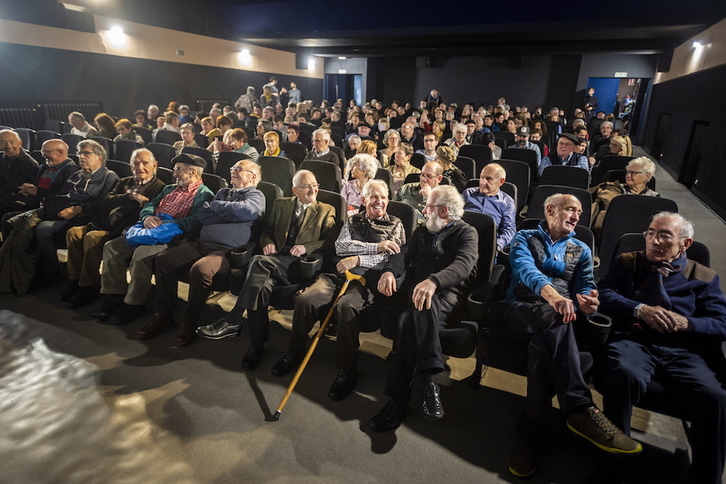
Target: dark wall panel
<point>123,84</point>
<point>694,98</point>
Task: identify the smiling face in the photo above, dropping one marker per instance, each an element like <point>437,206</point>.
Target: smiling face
<point>663,242</point>
<point>376,203</point>
<point>565,147</point>
<point>307,191</point>
<point>271,143</point>
<point>562,218</point>
<point>241,176</point>
<point>393,140</point>
<point>55,152</point>
<point>143,166</point>
<point>10,144</point>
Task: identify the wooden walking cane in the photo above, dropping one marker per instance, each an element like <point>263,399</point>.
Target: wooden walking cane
<point>349,277</point>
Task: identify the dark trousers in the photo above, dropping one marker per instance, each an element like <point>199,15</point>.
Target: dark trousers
<point>201,261</point>
<point>553,366</point>
<point>418,346</point>
<point>263,274</point>
<point>313,304</point>
<point>632,360</point>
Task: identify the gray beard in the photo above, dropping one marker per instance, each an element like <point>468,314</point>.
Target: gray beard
<point>434,223</point>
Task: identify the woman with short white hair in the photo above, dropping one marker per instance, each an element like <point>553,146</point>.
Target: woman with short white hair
<point>363,168</point>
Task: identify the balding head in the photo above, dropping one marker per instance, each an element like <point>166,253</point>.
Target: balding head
<point>10,143</point>
<point>55,152</point>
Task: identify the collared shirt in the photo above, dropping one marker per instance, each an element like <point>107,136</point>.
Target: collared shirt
<point>501,207</point>
<point>178,203</point>
<point>367,252</point>
<point>410,194</point>
<point>322,153</point>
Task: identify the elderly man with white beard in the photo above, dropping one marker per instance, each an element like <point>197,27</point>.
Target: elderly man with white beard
<point>439,262</point>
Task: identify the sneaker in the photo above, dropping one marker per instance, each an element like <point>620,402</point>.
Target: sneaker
<point>523,461</point>
<point>390,416</point>
<point>595,427</point>
<point>220,329</point>
<point>431,401</point>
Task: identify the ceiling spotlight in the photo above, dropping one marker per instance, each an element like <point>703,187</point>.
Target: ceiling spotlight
<point>697,44</point>
<point>311,63</point>
<point>342,57</point>
<point>245,57</point>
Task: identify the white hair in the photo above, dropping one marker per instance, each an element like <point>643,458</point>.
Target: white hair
<point>685,226</point>
<point>448,196</point>
<point>373,183</point>
<point>297,178</point>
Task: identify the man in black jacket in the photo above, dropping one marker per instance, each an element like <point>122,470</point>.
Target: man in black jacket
<point>16,167</point>
<point>439,263</point>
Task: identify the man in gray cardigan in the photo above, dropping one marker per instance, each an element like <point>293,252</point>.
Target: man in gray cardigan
<point>226,223</point>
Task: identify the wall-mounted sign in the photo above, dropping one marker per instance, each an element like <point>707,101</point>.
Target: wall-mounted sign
<point>621,74</point>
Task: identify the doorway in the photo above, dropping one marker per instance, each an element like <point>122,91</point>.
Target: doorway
<point>622,97</point>
<point>345,87</point>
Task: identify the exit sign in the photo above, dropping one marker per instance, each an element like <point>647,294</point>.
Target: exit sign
<point>621,74</point>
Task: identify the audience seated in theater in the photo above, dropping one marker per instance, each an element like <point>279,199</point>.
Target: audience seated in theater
<point>458,138</point>
<point>187,141</point>
<point>105,125</point>
<point>207,125</point>
<point>418,193</point>
<point>446,157</point>
<point>185,115</point>
<point>114,213</point>
<point>160,123</point>
<point>365,243</point>
<point>226,223</point>
<point>75,203</point>
<point>351,147</point>
<point>472,135</point>
<point>488,198</point>
<point>669,316</point>
<point>601,138</point>
<point>152,112</point>
<point>80,126</point>
<point>409,134</point>
<point>293,133</point>
<point>171,121</point>
<point>552,290</point>
<point>126,131</point>
<point>537,136</point>
<point>522,142</point>
<point>439,263</point>
<point>321,151</point>
<point>17,167</point>
<point>298,226</point>
<point>362,169</point>
<point>565,154</point>
<point>429,147</point>
<point>181,201</point>
<point>401,166</point>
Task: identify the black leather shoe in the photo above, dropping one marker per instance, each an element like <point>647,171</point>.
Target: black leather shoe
<point>287,363</point>
<point>186,335</point>
<point>253,357</point>
<point>85,295</point>
<point>431,402</point>
<point>343,384</point>
<point>219,329</point>
<point>108,307</point>
<point>390,417</point>
<point>127,313</point>
<point>69,289</point>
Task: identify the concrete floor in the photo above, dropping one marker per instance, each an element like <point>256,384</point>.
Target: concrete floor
<point>86,402</point>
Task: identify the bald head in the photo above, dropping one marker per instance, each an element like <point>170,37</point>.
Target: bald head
<point>55,152</point>
<point>10,143</point>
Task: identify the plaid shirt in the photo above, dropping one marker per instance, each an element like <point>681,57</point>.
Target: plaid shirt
<point>367,252</point>
<point>178,203</point>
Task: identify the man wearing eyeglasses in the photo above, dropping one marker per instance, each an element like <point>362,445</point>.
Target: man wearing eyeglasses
<point>416,194</point>
<point>409,135</point>
<point>553,289</point>
<point>565,154</point>
<point>321,150</point>
<point>298,226</point>
<point>226,223</point>
<point>669,317</point>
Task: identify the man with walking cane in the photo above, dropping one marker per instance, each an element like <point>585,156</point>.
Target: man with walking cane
<point>365,243</point>
<point>440,264</point>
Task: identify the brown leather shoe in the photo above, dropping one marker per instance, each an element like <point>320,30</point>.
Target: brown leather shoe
<point>156,326</point>
<point>186,335</point>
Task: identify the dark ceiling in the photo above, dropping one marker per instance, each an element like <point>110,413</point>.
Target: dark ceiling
<point>435,28</point>
<point>378,28</point>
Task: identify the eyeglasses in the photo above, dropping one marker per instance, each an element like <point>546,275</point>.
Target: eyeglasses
<point>47,152</point>
<point>427,176</point>
<point>309,186</point>
<point>86,153</point>
<point>633,173</point>
<point>237,169</point>
<point>663,236</point>
<point>433,206</point>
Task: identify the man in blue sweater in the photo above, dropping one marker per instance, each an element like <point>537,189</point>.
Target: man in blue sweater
<point>669,317</point>
<point>226,223</point>
<point>552,288</point>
